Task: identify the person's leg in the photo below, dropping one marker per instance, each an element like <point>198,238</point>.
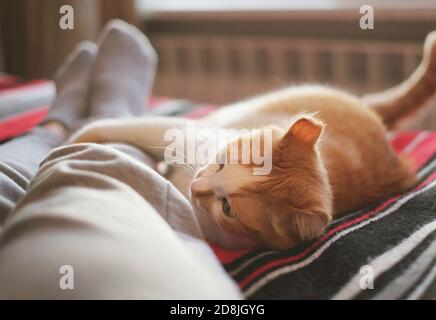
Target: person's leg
<point>97,214</point>
<point>20,157</point>
<point>116,78</point>
<point>19,160</point>
<point>100,211</point>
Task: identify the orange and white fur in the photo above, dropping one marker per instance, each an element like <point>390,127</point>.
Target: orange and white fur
<point>330,156</point>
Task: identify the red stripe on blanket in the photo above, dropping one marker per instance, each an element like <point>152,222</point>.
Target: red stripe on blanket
<point>402,140</point>
<point>279,262</point>
<point>156,101</point>
<point>25,85</point>
<point>23,122</point>
<point>7,80</point>
<point>201,112</point>
<point>424,150</point>
<point>418,146</point>
<point>227,256</point>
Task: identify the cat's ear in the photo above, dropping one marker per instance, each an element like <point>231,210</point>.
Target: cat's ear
<point>298,225</point>
<point>306,129</point>
<point>308,225</point>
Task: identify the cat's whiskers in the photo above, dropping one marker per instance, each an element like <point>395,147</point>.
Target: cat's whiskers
<point>190,168</point>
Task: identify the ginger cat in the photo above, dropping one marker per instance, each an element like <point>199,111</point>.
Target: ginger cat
<point>330,156</point>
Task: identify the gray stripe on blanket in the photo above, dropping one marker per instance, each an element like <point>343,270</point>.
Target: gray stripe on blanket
<point>173,108</point>
<point>401,284</point>
<point>385,261</point>
<point>23,104</point>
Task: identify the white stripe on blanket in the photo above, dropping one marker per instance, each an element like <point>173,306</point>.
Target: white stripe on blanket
<point>250,261</point>
<point>272,275</point>
<point>397,287</point>
<point>431,166</point>
<point>420,290</point>
<point>386,261</point>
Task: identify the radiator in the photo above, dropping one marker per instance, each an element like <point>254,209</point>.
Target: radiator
<point>221,69</point>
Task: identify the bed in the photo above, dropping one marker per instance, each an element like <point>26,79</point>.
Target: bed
<point>387,251</point>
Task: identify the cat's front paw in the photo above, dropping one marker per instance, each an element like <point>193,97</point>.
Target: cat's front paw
<point>93,132</point>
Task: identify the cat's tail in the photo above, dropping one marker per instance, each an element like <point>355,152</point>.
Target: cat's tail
<point>405,99</point>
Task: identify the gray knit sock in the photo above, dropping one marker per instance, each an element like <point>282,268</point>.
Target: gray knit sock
<point>72,85</point>
<point>124,72</point>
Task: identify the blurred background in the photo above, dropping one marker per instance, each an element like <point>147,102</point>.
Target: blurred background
<point>219,51</point>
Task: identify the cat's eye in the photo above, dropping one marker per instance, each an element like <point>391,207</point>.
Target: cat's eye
<point>226,208</point>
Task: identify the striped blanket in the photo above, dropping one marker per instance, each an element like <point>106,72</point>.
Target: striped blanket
<point>387,251</point>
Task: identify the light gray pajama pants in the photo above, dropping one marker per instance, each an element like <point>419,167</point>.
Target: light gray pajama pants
<point>98,222</point>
